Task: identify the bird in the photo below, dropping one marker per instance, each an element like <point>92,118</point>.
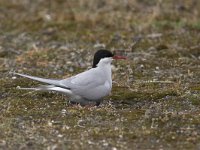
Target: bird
<point>88,87</point>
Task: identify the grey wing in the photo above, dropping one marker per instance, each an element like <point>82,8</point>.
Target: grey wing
<point>89,84</point>
<point>87,78</point>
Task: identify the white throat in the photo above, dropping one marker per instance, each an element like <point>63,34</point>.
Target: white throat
<point>105,62</point>
<point>105,65</point>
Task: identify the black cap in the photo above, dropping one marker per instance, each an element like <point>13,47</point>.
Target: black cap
<point>102,53</point>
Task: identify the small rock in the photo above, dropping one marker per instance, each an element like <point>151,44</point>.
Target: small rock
<point>14,78</point>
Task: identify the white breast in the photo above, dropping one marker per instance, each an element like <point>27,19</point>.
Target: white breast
<point>107,85</point>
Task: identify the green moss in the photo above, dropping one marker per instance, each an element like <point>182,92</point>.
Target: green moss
<point>195,99</point>
<point>195,87</point>
<point>167,24</point>
<point>120,93</point>
<point>195,24</point>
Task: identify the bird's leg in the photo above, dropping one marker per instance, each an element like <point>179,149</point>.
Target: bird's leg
<point>97,104</point>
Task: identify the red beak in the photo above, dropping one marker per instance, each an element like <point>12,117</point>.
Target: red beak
<point>118,57</point>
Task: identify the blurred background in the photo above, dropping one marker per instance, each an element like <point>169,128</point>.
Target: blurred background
<point>89,25</point>
<point>82,15</point>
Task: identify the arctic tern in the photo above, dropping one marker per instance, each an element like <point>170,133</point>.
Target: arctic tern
<point>85,88</point>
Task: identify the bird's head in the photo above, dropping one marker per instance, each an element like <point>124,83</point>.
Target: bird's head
<point>104,56</point>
